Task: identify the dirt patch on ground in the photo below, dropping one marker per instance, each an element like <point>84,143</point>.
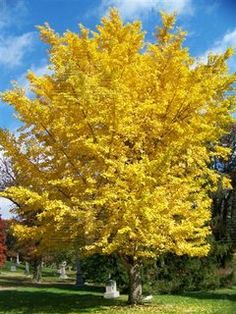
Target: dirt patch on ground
<point>7,288</point>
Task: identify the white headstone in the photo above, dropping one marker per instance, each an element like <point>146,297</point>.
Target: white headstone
<point>148,298</point>
<point>27,269</point>
<point>63,274</point>
<point>111,291</point>
<point>13,268</point>
<point>18,259</point>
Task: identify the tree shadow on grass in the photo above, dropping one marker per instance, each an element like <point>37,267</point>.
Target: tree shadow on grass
<point>15,281</point>
<point>211,295</point>
<point>41,301</point>
<point>8,282</point>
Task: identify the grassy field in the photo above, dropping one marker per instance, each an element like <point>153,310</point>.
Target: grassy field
<point>19,295</point>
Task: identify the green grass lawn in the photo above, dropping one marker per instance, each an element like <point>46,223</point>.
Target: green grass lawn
<point>19,295</point>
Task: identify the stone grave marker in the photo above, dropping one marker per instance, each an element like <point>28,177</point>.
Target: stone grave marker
<point>63,274</point>
<point>111,290</point>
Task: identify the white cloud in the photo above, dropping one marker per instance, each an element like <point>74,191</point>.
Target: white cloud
<point>219,46</point>
<point>229,40</point>
<point>12,13</point>
<point>131,9</point>
<point>13,48</point>
<point>38,70</point>
<point>5,207</point>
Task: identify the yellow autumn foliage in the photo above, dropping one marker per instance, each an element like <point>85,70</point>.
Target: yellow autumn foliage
<point>116,142</point>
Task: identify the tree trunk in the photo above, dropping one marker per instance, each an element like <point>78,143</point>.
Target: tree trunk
<point>27,270</point>
<point>17,258</point>
<point>37,271</point>
<point>135,284</point>
<point>133,268</point>
<point>79,279</point>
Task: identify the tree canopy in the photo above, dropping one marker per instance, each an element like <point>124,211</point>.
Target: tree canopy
<point>116,142</point>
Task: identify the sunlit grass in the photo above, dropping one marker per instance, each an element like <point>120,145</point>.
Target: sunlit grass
<point>19,295</point>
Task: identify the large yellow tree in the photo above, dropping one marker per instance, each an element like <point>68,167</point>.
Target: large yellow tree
<point>116,143</point>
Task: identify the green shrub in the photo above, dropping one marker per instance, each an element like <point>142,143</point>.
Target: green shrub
<point>99,268</point>
<point>174,274</point>
<point>170,273</point>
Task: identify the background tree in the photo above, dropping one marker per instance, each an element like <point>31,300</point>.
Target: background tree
<point>115,143</point>
<point>26,246</point>
<point>224,210</point>
<point>11,242</point>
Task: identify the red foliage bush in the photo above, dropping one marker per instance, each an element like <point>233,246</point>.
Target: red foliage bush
<point>2,243</point>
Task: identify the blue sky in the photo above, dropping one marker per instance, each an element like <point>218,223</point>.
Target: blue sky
<point>211,26</point>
